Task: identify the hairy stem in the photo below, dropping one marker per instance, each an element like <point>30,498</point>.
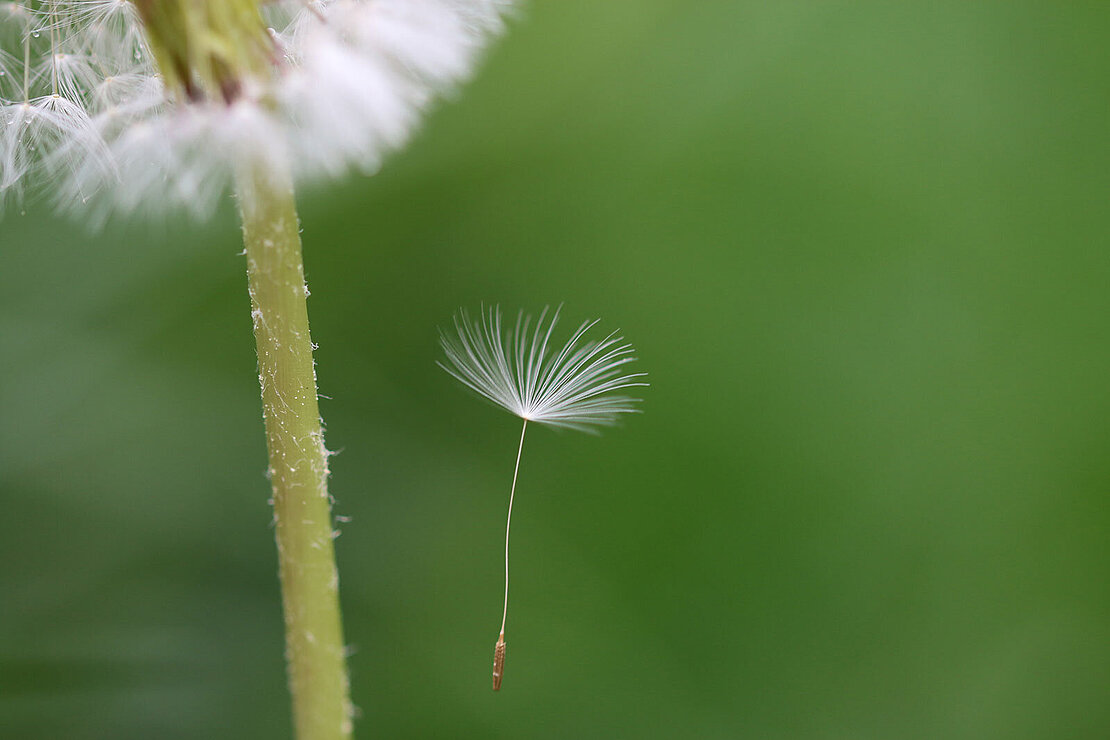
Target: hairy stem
<point>298,459</point>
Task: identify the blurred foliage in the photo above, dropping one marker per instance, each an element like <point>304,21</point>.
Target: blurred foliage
<point>862,250</point>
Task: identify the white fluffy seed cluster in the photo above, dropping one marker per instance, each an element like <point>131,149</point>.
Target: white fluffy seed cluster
<point>85,115</point>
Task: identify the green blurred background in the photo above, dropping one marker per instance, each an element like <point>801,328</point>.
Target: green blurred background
<point>861,248</point>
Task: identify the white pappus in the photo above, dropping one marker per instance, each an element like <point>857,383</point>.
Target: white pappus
<point>86,115</point>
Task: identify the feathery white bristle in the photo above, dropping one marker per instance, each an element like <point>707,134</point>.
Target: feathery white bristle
<point>572,386</point>
<point>86,116</point>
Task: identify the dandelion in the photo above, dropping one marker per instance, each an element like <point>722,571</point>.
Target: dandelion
<point>123,106</point>
<point>166,102</point>
<point>573,386</point>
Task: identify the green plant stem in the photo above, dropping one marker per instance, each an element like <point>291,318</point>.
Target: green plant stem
<point>298,459</point>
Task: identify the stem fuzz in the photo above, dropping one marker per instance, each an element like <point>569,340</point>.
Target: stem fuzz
<point>298,459</point>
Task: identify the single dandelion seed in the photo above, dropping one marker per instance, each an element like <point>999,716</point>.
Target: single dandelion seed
<point>574,387</point>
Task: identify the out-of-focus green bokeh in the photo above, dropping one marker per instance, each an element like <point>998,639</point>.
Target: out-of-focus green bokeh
<point>862,248</point>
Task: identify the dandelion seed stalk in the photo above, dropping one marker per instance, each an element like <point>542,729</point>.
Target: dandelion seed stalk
<point>499,648</point>
<point>298,459</point>
<point>208,50</point>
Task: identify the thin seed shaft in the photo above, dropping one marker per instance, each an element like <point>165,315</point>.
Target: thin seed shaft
<point>508,522</point>
<point>499,649</point>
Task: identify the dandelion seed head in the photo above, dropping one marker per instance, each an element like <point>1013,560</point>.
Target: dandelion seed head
<point>162,100</point>
<point>575,385</point>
